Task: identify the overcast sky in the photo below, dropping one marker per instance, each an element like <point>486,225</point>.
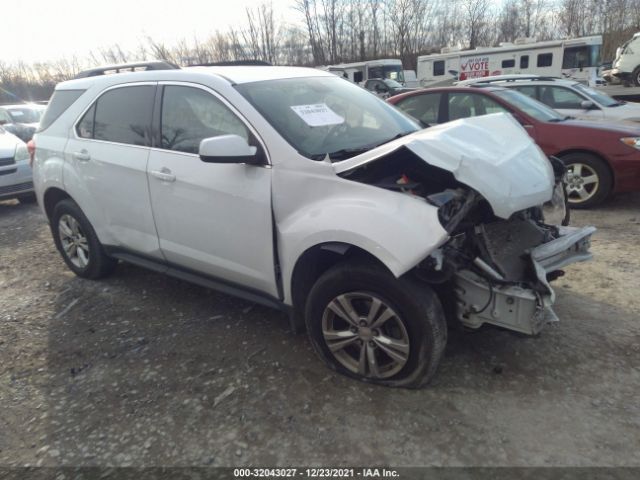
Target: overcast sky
<point>46,30</point>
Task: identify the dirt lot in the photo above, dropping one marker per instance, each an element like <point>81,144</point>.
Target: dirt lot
<point>142,369</point>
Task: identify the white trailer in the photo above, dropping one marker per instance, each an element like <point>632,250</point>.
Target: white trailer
<point>360,72</point>
<point>577,59</point>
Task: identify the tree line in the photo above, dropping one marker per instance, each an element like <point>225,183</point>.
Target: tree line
<point>326,32</point>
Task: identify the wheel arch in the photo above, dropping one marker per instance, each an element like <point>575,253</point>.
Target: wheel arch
<point>315,261</point>
<point>52,196</point>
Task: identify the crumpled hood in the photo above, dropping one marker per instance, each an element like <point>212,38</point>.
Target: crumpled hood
<point>492,154</point>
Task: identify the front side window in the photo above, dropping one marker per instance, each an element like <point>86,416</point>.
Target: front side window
<point>326,115</point>
<point>598,97</point>
<point>190,115</point>
<point>545,59</point>
<point>123,115</point>
<point>560,97</point>
<point>528,90</point>
<point>529,106</point>
<point>580,57</point>
<point>425,107</point>
<point>464,105</point>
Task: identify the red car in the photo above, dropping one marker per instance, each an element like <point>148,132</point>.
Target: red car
<point>601,158</point>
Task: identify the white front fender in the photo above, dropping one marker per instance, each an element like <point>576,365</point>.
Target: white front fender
<point>398,229</point>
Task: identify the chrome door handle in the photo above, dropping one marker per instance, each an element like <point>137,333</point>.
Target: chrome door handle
<point>82,156</point>
<point>164,174</point>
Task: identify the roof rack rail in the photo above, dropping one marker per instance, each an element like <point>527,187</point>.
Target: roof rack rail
<point>233,63</point>
<point>127,67</point>
<point>507,78</point>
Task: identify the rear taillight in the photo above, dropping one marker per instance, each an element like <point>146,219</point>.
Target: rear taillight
<point>31,148</point>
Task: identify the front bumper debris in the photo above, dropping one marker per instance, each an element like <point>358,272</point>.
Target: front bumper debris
<point>512,305</point>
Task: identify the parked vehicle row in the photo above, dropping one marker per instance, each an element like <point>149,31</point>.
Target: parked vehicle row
<point>297,189</point>
<point>566,96</point>
<point>15,173</point>
<point>601,157</point>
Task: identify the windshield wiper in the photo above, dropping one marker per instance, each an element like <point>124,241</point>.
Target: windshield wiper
<point>617,104</point>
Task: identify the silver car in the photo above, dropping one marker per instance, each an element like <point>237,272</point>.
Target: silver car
<point>15,172</point>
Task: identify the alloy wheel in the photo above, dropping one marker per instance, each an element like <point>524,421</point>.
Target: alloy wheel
<point>73,240</point>
<point>365,335</point>
<point>583,182</point>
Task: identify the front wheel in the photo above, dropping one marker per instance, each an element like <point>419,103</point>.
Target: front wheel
<point>589,180</point>
<point>635,77</point>
<point>367,324</point>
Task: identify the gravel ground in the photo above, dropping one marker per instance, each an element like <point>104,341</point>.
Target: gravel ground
<point>142,370</point>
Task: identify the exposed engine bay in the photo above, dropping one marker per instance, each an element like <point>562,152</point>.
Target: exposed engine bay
<point>490,270</point>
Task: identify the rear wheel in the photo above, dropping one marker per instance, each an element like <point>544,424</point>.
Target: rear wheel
<point>367,324</point>
<point>78,243</point>
<point>589,180</point>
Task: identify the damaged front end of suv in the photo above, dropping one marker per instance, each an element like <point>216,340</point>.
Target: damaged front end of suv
<point>502,203</point>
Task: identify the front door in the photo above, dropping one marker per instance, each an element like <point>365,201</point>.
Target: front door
<point>211,218</point>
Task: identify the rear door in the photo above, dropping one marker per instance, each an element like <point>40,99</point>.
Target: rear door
<point>108,152</point>
<point>213,218</point>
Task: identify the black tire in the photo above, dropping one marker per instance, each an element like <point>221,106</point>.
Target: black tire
<point>99,265</point>
<point>635,77</point>
<point>592,165</point>
<point>418,310</point>
<point>27,198</point>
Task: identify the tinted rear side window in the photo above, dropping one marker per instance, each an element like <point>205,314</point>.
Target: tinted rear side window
<point>60,101</point>
<point>123,115</point>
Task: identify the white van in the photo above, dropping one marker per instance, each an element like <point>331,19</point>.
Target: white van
<point>576,59</point>
<point>626,66</point>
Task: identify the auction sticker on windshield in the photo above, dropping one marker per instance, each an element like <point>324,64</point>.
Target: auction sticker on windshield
<point>318,115</point>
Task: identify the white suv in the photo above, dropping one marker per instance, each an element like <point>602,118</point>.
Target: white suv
<point>566,96</point>
<point>295,189</point>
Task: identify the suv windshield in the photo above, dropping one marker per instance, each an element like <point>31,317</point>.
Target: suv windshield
<point>326,115</point>
<point>24,115</point>
<point>392,83</point>
<point>601,98</point>
<point>528,105</point>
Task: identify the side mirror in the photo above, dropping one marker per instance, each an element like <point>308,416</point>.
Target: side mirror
<point>587,105</point>
<point>3,122</point>
<point>228,149</point>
